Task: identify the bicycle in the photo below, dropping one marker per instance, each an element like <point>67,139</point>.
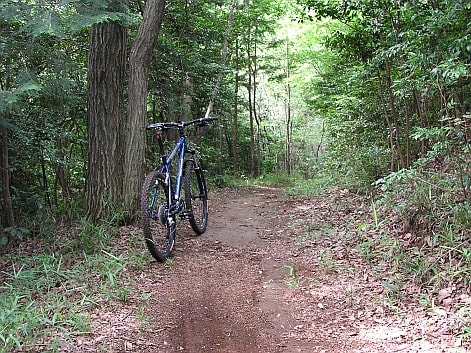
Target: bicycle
<point>161,200</point>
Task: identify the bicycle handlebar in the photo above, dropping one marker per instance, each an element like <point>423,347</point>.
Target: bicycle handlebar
<point>180,124</point>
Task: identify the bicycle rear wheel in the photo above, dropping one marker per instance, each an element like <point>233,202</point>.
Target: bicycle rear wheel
<point>159,233</point>
<point>196,197</point>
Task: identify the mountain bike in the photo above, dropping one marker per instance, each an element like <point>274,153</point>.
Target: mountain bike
<point>161,201</point>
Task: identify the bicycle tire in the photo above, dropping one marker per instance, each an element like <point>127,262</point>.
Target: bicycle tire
<point>196,197</point>
<point>159,233</point>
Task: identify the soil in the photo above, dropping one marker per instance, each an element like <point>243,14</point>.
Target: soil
<point>270,275</point>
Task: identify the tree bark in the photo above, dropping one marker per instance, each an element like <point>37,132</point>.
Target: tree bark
<point>420,107</point>
<point>288,113</point>
<point>251,114</point>
<point>106,72</point>
<point>224,56</point>
<point>235,155</point>
<point>388,122</point>
<point>392,107</point>
<point>61,178</point>
<point>6,207</point>
<point>8,217</point>
<point>255,114</point>
<point>142,51</point>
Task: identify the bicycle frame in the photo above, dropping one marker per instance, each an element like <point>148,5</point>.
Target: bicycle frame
<point>179,151</point>
<point>158,211</point>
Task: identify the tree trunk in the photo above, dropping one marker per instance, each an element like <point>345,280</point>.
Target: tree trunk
<point>388,122</point>
<point>255,114</point>
<point>407,116</point>
<point>6,208</point>
<point>251,114</point>
<point>8,218</point>
<point>420,107</point>
<point>288,114</point>
<point>392,107</point>
<point>106,72</point>
<point>288,131</point>
<point>224,56</point>
<point>235,155</point>
<point>61,178</point>
<point>142,51</point>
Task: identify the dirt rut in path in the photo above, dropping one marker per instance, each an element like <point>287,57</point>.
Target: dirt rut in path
<point>217,298</point>
<point>269,276</point>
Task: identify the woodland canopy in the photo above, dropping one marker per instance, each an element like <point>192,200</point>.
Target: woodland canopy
<point>370,98</point>
<point>367,95</point>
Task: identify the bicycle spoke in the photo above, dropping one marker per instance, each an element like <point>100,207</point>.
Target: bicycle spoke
<point>158,209</point>
<point>153,217</point>
<point>196,198</point>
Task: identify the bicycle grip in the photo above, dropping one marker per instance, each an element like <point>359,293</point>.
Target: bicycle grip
<point>206,121</point>
<point>154,126</point>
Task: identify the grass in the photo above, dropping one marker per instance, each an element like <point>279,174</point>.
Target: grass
<point>46,297</point>
<point>326,260</point>
<point>432,254</point>
<point>292,280</point>
<point>295,185</point>
<point>38,304</point>
<point>301,187</point>
<point>229,180</point>
<point>351,294</point>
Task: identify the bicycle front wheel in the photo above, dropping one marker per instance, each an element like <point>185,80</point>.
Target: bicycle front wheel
<point>159,230</point>
<point>196,197</point>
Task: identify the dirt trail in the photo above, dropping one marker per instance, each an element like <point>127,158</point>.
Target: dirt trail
<point>269,275</point>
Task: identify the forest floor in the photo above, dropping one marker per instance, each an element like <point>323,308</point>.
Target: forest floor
<point>272,274</point>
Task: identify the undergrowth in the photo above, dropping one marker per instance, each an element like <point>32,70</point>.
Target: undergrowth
<point>434,221</point>
<point>47,292</point>
<point>418,229</point>
<point>229,180</point>
<point>428,217</point>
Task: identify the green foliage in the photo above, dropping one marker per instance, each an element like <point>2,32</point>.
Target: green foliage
<point>436,219</point>
<point>308,187</point>
<point>12,233</point>
<point>189,49</point>
<point>46,297</point>
<point>9,99</point>
<point>228,180</point>
<point>42,109</point>
<point>59,18</point>
<point>24,318</point>
<point>425,52</point>
<point>435,193</point>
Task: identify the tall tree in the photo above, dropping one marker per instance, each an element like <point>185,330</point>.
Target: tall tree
<point>7,215</point>
<point>224,56</point>
<point>256,21</point>
<point>106,113</point>
<point>235,112</point>
<point>142,52</point>
<point>288,118</point>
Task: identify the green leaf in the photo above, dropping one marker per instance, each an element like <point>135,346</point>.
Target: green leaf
<point>3,240</point>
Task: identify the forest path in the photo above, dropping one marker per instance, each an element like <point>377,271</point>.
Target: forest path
<point>270,275</point>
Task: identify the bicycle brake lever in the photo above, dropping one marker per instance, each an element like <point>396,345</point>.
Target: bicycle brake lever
<point>154,126</point>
